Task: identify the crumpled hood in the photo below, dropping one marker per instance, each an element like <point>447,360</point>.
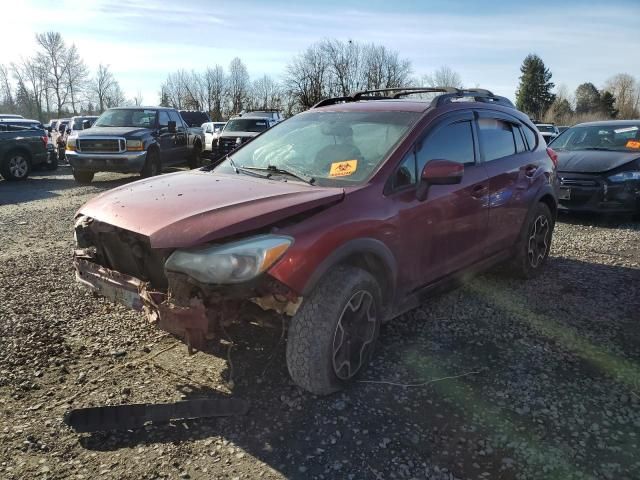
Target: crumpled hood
<point>186,209</point>
<point>112,131</point>
<point>593,161</point>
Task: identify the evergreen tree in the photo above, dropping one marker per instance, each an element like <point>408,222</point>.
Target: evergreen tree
<point>534,95</point>
<point>587,98</point>
<point>607,104</point>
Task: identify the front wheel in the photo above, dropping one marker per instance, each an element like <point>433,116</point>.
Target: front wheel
<point>333,334</point>
<point>83,178</point>
<point>152,165</point>
<point>534,245</point>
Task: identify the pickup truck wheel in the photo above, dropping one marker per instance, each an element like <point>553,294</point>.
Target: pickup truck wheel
<point>534,244</point>
<point>333,334</point>
<point>152,166</point>
<point>83,177</point>
<point>195,161</point>
<point>16,165</point>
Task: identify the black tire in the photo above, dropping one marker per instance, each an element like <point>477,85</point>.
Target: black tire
<point>534,244</point>
<point>52,164</point>
<point>83,177</point>
<point>195,160</point>
<point>152,166</point>
<point>313,360</point>
<point>15,166</point>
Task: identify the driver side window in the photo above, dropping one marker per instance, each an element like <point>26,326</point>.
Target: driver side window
<point>453,142</point>
<point>163,120</point>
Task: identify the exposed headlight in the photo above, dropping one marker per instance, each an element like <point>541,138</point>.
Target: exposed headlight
<point>135,145</point>
<point>72,143</point>
<point>624,176</point>
<point>231,263</point>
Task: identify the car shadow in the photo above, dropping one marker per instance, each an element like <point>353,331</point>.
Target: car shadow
<point>475,353</point>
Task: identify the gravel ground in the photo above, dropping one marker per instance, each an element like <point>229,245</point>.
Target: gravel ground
<point>548,372</point>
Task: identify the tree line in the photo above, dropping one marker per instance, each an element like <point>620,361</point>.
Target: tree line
<point>55,81</point>
<point>618,98</point>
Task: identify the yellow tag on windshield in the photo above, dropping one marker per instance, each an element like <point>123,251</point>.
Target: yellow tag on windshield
<point>344,168</point>
<point>633,144</point>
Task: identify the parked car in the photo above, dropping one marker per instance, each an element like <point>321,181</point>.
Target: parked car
<point>24,123</point>
<point>548,130</point>
<point>274,116</point>
<point>22,147</point>
<point>562,128</point>
<point>211,133</point>
<point>599,167</point>
<point>133,139</point>
<point>340,218</point>
<point>81,123</point>
<point>9,116</point>
<point>237,131</point>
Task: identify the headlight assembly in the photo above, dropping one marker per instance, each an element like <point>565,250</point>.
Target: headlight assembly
<point>231,263</point>
<point>135,145</point>
<point>71,144</point>
<point>624,177</point>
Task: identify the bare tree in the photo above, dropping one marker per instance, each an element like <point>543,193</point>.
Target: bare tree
<point>306,77</point>
<point>626,91</point>
<point>175,89</point>
<point>76,76</point>
<point>6,91</point>
<point>384,68</point>
<point>114,96</point>
<point>443,77</point>
<point>216,85</point>
<point>102,86</point>
<point>32,81</point>
<point>138,100</point>
<point>265,94</point>
<point>237,85</point>
<point>345,62</point>
<point>54,57</point>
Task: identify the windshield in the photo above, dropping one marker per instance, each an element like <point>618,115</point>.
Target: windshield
<point>600,137</point>
<point>335,148</point>
<point>546,128</point>
<point>127,117</point>
<point>247,125</point>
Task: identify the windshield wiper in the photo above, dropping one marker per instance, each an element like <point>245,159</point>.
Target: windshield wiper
<point>273,169</point>
<point>597,148</point>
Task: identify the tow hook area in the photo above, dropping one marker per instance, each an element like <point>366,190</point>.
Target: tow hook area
<point>189,323</point>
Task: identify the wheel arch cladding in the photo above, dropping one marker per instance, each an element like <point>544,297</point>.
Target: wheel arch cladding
<point>21,150</point>
<point>368,254</point>
<point>550,201</point>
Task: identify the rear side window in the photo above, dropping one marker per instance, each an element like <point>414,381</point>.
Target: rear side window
<point>531,136</point>
<point>496,138</point>
<point>520,145</point>
<point>452,142</point>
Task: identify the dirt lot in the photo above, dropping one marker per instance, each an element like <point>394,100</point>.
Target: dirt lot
<point>548,372</point>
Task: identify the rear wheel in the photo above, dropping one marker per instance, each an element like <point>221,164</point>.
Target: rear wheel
<point>535,243</point>
<point>333,334</point>
<point>15,165</point>
<point>83,177</point>
<point>152,165</point>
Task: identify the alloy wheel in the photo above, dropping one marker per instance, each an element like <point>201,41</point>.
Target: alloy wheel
<point>538,245</point>
<point>18,166</point>
<point>355,334</point>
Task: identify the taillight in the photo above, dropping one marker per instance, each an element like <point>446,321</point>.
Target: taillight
<point>45,140</point>
<point>553,156</point>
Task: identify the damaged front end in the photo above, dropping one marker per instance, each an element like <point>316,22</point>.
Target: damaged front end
<point>171,287</point>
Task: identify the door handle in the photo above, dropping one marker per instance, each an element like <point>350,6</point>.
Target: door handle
<point>530,170</point>
<point>478,191</point>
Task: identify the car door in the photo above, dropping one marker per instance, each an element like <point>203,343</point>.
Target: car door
<point>513,172</point>
<point>182,137</point>
<point>447,231</point>
<point>166,139</point>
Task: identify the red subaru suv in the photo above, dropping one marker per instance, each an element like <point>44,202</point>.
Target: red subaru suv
<point>340,218</point>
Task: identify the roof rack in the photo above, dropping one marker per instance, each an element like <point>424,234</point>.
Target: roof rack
<point>447,95</point>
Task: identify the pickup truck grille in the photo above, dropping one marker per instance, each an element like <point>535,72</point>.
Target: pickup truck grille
<point>228,144</point>
<point>102,145</point>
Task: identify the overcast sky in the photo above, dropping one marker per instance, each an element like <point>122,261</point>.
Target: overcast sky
<point>484,41</point>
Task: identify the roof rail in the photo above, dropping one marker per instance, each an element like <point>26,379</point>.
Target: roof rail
<point>447,95</point>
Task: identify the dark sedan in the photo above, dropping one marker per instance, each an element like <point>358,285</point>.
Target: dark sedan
<point>599,167</point>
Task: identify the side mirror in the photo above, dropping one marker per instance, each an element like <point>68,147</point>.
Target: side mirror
<point>171,125</point>
<point>438,172</point>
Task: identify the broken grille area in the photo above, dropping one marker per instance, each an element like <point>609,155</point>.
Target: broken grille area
<point>123,251</point>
